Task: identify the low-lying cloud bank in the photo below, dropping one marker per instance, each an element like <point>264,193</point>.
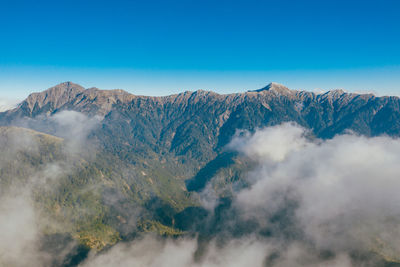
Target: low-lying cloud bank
<point>22,238</point>
<point>345,189</point>
<point>310,203</point>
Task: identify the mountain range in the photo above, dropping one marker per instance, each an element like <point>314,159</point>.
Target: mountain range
<point>128,164</point>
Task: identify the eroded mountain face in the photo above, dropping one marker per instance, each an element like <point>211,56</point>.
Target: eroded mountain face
<point>117,165</point>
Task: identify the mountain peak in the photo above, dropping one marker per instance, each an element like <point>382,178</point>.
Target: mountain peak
<point>61,89</point>
<point>274,87</point>
<point>72,94</point>
<point>66,86</point>
<point>55,96</point>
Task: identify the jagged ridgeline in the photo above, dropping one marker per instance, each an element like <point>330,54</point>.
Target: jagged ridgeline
<point>105,165</point>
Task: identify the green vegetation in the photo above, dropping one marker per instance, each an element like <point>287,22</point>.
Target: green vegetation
<point>158,228</point>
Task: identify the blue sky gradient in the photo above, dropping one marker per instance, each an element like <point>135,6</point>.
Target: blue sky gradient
<point>163,47</point>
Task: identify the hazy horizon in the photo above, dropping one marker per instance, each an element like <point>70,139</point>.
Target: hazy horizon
<point>222,83</point>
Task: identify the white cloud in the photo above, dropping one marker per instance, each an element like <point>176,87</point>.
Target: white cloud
<point>75,127</point>
<point>152,252</point>
<point>18,232</point>
<point>147,252</point>
<point>7,104</point>
<point>346,188</point>
<point>274,145</point>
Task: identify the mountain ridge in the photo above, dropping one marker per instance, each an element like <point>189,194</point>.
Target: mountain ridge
<point>272,101</point>
<point>195,126</point>
<point>69,95</point>
<point>67,90</point>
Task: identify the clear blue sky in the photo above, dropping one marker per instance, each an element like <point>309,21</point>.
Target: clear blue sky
<point>161,47</point>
